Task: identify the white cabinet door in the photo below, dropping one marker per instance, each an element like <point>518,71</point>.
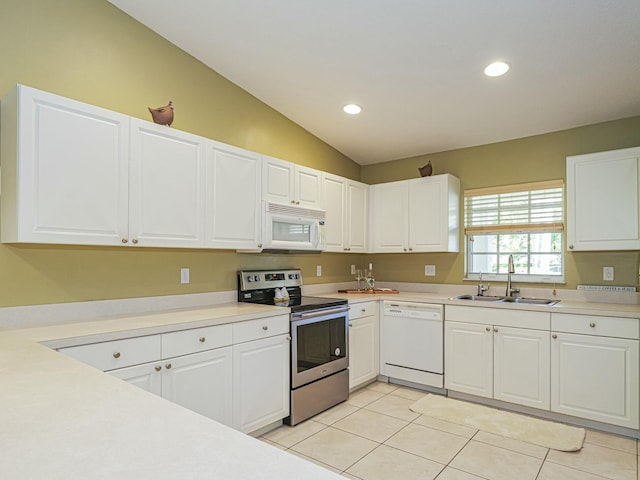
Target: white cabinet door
<point>64,170</point>
<point>287,183</point>
<point>468,364</point>
<point>201,382</point>
<point>147,376</point>
<point>433,214</point>
<point>595,377</point>
<point>603,209</point>
<point>363,350</point>
<point>357,220</point>
<point>521,366</point>
<point>166,206</point>
<point>391,217</point>
<point>233,199</point>
<point>260,382</point>
<point>334,201</point>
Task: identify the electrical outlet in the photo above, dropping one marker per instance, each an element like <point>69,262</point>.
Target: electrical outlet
<point>607,273</point>
<point>184,275</point>
<point>353,269</point>
<point>430,270</point>
<point>318,270</point>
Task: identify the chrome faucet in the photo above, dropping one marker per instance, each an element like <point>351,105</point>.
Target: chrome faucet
<point>511,269</point>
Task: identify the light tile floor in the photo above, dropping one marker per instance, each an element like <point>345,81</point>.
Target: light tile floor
<point>375,436</point>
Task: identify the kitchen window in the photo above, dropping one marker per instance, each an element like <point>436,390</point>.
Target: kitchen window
<point>526,221</point>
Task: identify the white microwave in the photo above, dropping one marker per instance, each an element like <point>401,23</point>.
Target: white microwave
<point>292,228</point>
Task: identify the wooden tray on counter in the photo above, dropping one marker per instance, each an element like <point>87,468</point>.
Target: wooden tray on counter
<point>375,291</point>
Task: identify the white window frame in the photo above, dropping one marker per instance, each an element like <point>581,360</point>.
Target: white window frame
<point>544,213</point>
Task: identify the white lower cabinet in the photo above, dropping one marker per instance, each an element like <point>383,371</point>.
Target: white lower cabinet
<point>260,382</point>
<point>496,360</point>
<point>236,374</point>
<point>364,340</point>
<point>595,376</point>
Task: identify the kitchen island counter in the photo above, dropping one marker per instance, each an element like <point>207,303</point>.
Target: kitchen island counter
<point>62,419</point>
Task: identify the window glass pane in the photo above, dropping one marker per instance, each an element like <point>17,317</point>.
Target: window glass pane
<point>484,243</point>
<point>546,264</point>
<point>546,242</point>
<point>514,242</point>
<point>483,263</point>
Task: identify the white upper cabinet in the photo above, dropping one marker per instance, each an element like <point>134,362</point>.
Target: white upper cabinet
<point>419,215</point>
<point>64,170</point>
<point>346,204</point>
<point>287,183</point>
<point>166,204</point>
<point>233,197</point>
<point>603,209</point>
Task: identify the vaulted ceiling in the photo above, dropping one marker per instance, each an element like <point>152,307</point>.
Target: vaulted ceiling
<point>416,66</point>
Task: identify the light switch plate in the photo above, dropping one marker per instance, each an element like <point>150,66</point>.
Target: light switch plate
<point>607,273</point>
<point>318,270</point>
<point>184,275</point>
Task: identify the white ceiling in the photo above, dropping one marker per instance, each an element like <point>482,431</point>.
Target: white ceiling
<point>416,66</point>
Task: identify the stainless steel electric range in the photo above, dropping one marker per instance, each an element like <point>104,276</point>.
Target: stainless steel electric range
<point>319,339</point>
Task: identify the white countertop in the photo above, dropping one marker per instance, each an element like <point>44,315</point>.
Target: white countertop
<point>62,419</point>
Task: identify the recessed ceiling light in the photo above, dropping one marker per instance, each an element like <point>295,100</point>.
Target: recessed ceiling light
<point>352,109</point>
<point>496,69</point>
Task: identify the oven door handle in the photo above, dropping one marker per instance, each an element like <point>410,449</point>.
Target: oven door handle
<point>321,313</point>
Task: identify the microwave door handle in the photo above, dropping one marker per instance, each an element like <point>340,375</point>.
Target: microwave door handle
<point>319,313</point>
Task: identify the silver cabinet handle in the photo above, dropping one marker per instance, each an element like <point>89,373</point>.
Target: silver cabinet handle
<point>288,338</point>
<point>265,327</point>
<point>124,240</point>
<point>134,241</point>
<point>495,329</point>
<point>116,355</point>
<point>158,368</point>
<point>259,245</point>
<point>570,247</point>
<point>488,329</point>
<point>202,339</point>
<point>410,249</point>
<point>168,366</point>
<point>592,324</point>
<point>350,324</point>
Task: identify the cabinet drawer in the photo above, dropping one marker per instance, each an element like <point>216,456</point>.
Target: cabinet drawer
<point>196,340</point>
<point>619,327</point>
<point>261,328</point>
<point>359,310</point>
<point>117,353</point>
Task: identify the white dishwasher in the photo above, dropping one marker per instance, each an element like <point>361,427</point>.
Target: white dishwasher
<point>412,342</point>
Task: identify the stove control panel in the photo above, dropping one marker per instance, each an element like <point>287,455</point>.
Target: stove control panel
<point>260,279</point>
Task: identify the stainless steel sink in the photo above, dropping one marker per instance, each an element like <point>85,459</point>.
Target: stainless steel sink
<point>522,300</point>
<point>478,298</point>
<point>529,301</point>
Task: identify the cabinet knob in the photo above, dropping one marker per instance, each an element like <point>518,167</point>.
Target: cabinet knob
<point>158,368</point>
<point>134,241</point>
<point>410,249</point>
<point>488,329</point>
<point>116,355</point>
<point>363,310</point>
<point>570,247</point>
<point>288,338</point>
<point>495,329</point>
<point>297,203</point>
<point>259,245</point>
<point>592,324</point>
<point>404,249</point>
<point>124,240</point>
<point>265,327</point>
<point>554,336</point>
<point>168,366</point>
<point>293,202</point>
<point>350,324</point>
<point>202,339</point>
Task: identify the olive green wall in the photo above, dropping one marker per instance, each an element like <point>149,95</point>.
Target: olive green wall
<point>90,51</point>
<point>531,159</point>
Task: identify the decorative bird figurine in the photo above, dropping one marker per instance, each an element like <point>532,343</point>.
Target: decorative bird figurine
<point>163,115</point>
<point>426,170</point>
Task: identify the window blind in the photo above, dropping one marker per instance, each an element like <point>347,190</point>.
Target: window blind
<point>529,207</point>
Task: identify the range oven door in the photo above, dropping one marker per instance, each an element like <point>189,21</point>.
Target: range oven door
<point>319,343</point>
